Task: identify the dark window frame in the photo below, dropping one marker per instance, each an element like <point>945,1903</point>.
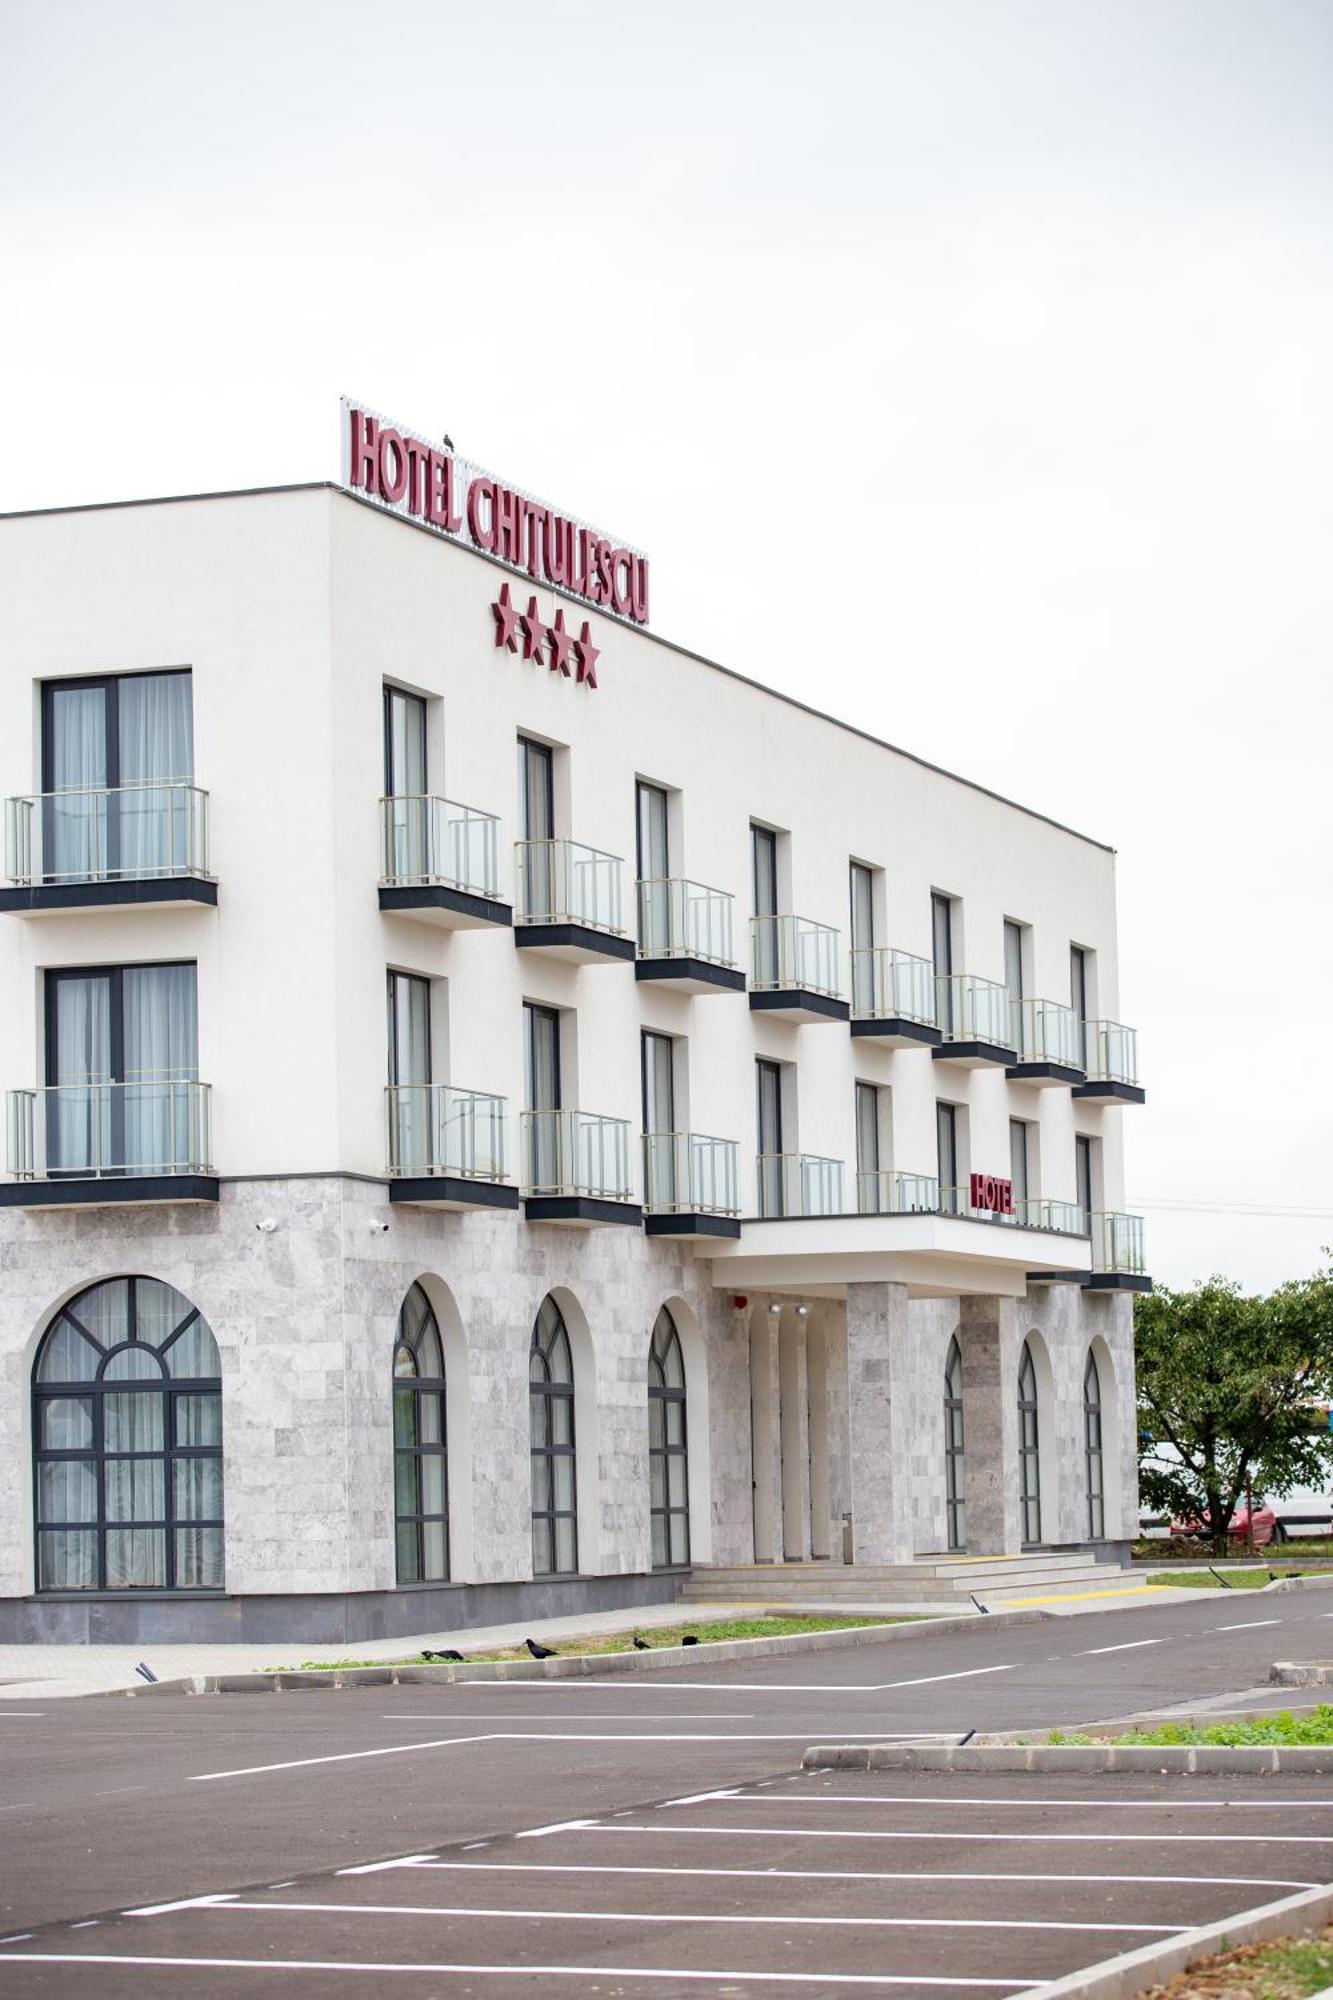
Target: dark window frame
<point>550,1335</point>
<point>1094,1450</point>
<point>392,694</point>
<point>955,1449</point>
<point>420,1388</point>
<point>1029,1448</point>
<point>668,1397</point>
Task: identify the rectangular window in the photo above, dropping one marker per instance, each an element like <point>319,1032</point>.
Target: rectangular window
<point>404,744</point>
<point>1013,960</point>
<point>1078,997</point>
<point>122,1049</point>
<point>861,888</point>
<point>946,1144</point>
<point>1083,1178</point>
<point>541,1090</point>
<point>652,848</point>
<point>124,735</point>
<point>410,1122</point>
<point>768,1123</point>
<point>1018,1166</point>
<point>869,1192</point>
<point>764,867</point>
<point>941,944</point>
<point>659,1094</point>
<point>536,790</point>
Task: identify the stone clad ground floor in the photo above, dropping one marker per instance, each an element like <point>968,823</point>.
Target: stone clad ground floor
<point>868,1428</point>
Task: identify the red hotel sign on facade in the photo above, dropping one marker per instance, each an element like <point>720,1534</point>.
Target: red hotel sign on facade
<point>427,482</point>
<point>989,1191</point>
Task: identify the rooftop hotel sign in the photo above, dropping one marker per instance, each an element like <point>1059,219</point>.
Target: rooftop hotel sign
<point>427,482</point>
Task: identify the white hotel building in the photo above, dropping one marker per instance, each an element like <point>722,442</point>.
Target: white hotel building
<point>483,1138</point>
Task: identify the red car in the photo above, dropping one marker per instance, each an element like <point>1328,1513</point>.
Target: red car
<point>1267,1527</point>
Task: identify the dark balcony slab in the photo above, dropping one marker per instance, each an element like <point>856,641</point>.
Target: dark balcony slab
<point>976,1054</point>
<point>452,1191</point>
<point>109,1191</point>
<point>1108,1091</point>
<point>436,903</point>
<point>1117,1281</point>
<point>800,1004</point>
<point>1057,1277</point>
<point>691,1224</point>
<point>39,897</point>
<point>582,1211</point>
<point>579,943</point>
<point>692,975</point>
<point>893,1032</point>
<point>1044,1073</point>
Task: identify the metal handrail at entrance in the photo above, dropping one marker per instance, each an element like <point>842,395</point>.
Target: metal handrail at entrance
<point>435,1128</point>
<point>798,1184</point>
<point>793,952</point>
<point>564,882</point>
<point>149,1127</point>
<point>426,841</point>
<point>575,1153</point>
<point>689,1173</point>
<point>892,985</point>
<point>683,919</point>
<point>154,831</point>
<point>886,1192</point>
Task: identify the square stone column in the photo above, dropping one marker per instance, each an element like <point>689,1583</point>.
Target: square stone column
<point>989,1340</point>
<point>765,1440</point>
<point>795,1434</point>
<point>879,1423</point>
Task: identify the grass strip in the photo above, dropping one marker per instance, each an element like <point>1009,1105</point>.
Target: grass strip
<point>1286,1969</point>
<point>1314,1729</point>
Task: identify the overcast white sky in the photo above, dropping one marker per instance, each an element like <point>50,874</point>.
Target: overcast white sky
<point>1019,309</point>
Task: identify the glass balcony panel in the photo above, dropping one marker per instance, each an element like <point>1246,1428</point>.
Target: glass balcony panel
<point>1046,1031</point>
<point>576,1152</point>
<point>134,833</point>
<point>1065,1217</point>
<point>798,1184</point>
<point>683,919</point>
<point>564,882</point>
<point>890,1193</point>
<point>1113,1052</point>
<point>428,840</point>
<point>434,1128</point>
<point>1117,1243</point>
<point>794,952</point>
<point>969,1009</point>
<point>690,1173</point>
<point>155,1125</point>
<point>893,985</point>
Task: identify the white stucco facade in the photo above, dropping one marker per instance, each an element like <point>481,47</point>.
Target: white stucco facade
<point>292,610</point>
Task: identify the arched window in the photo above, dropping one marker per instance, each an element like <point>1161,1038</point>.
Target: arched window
<point>1092,1448</point>
<point>420,1445</point>
<point>1029,1447</point>
<point>955,1483</point>
<point>668,1460</point>
<point>555,1540</point>
<point>127,1430</point>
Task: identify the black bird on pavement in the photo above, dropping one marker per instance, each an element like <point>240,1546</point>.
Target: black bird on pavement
<point>450,1654</point>
<point>690,1639</point>
<point>641,1645</point>
<point>539,1652</point>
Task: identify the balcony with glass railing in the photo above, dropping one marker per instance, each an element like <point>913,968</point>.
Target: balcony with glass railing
<point>798,1185</point>
<point>94,847</point>
<point>974,1019</point>
<point>147,1139</point>
<point>1118,1262</point>
<point>893,997</point>
<point>568,901</point>
<point>888,1192</point>
<point>1050,1042</point>
<point>691,1184</point>
<point>686,936</point>
<point>1112,1064</point>
<point>576,1168</point>
<point>794,969</point>
<point>440,861</point>
<point>446,1147</point>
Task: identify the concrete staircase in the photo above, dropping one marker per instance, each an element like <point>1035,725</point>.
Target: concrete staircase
<point>930,1580</point>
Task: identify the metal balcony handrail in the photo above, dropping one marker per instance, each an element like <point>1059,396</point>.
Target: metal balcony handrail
<point>885,1191</point>
<point>1062,1218</point>
<point>1112,1052</point>
<point>436,1128</point>
<point>798,1184</point>
<point>1117,1242</point>
<point>427,840</point>
<point>564,882</point>
<point>690,1173</point>
<point>152,1126</point>
<point>151,830</point>
<point>969,1008</point>
<point>575,1153</point>
<point>679,918</point>
<point>890,984</point>
<point>790,951</point>
<point>1047,1031</point>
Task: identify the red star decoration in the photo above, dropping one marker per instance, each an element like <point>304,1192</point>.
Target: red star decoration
<point>534,631</point>
<point>561,641</point>
<point>588,656</point>
<point>506,620</point>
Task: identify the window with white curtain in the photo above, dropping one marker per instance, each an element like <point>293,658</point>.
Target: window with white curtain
<point>116,755</point>
<point>127,1443</point>
<point>122,1050</point>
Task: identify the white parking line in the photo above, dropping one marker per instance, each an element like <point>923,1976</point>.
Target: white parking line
<point>1250,1625</point>
<point>825,1874</point>
<point>1129,1646</point>
<point>696,1917</point>
<point>590,1974</point>
<point>916,1833</point>
<point>906,1799</point>
<point>417,1716</point>
<point>759,1687</point>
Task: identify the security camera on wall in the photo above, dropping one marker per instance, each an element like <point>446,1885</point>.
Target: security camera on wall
<point>380,1226</point>
<point>267,1226</point>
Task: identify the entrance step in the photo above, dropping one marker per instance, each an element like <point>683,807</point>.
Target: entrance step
<point>941,1580</point>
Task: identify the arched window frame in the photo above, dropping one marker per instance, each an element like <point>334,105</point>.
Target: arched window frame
<point>955,1472</point>
<point>668,1446</point>
<point>1093,1449</point>
<point>420,1444</point>
<point>151,1497</point>
<point>553,1462</point>
<point>1029,1446</point>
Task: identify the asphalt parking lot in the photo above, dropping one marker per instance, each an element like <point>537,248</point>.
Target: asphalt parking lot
<point>823,1881</point>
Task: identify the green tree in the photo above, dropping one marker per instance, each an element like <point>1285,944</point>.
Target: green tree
<point>1231,1383</point>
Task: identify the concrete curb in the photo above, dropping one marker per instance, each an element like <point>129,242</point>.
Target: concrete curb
<point>1120,1978</point>
<point>1292,1674</point>
<point>565,1666</point>
<point>1201,1759</point>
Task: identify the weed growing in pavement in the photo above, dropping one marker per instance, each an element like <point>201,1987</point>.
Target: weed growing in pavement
<point>1289,1969</point>
<point>1230,1579</point>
